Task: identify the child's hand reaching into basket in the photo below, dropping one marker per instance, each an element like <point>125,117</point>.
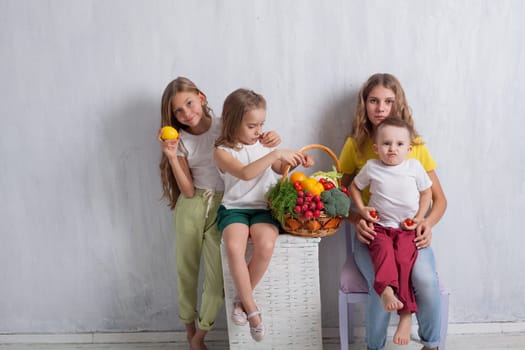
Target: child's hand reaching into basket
<point>293,159</point>
<point>308,160</point>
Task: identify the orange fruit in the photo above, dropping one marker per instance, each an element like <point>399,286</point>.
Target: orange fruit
<point>168,133</point>
<point>297,176</point>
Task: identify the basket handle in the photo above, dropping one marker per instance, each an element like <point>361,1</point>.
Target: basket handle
<point>313,146</point>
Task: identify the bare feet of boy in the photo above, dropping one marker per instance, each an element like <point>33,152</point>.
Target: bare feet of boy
<point>390,301</point>
<point>402,334</point>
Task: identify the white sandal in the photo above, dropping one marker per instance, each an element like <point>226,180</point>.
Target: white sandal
<point>239,318</point>
<point>258,331</point>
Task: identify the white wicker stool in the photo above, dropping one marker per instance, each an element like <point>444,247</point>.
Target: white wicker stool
<point>288,294</point>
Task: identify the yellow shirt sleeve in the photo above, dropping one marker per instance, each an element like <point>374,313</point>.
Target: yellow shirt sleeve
<point>351,161</point>
<point>421,153</point>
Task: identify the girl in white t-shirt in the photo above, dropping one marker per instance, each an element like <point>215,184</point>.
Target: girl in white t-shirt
<point>248,171</point>
<point>194,189</point>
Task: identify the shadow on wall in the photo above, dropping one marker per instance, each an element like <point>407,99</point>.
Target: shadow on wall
<point>133,253</point>
<point>333,128</point>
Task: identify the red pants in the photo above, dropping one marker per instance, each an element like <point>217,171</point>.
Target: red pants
<point>393,254</point>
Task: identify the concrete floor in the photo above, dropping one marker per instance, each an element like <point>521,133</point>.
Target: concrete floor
<point>454,342</point>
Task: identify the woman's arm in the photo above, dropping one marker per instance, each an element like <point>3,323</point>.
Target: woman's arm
<point>364,229</point>
<point>439,205</point>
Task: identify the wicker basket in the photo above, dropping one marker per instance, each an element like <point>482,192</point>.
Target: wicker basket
<point>314,227</point>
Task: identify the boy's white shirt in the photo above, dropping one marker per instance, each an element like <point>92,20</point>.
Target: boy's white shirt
<point>394,190</point>
<point>241,194</point>
<point>198,150</point>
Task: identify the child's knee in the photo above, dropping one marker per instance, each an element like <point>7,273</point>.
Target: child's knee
<point>265,248</point>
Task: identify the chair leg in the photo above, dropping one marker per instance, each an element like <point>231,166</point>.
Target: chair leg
<point>351,310</point>
<point>343,321</point>
<point>444,320</point>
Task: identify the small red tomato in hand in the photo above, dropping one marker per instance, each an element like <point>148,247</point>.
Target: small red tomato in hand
<point>373,214</point>
<point>409,222</point>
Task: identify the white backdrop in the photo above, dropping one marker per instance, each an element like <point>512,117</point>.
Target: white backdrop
<point>86,245</point>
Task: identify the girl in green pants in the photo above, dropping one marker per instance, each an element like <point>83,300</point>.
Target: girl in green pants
<point>193,187</point>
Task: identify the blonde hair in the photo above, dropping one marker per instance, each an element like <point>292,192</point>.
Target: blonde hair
<point>236,105</point>
<point>170,190</point>
<point>362,128</point>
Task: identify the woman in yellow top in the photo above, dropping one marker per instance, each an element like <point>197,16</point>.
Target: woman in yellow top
<point>380,97</point>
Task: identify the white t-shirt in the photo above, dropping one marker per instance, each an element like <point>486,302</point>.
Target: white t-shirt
<point>198,150</point>
<point>241,194</point>
<point>394,189</point>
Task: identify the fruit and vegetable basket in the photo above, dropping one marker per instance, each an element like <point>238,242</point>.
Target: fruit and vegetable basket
<point>310,206</point>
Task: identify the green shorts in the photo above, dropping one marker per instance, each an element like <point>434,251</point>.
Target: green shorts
<point>248,217</point>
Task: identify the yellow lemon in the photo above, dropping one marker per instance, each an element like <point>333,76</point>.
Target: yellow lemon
<point>168,133</point>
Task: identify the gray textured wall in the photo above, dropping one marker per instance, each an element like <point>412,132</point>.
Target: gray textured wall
<point>85,243</point>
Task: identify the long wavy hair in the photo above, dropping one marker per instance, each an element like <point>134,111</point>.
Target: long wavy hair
<point>236,105</point>
<point>362,128</point>
<point>170,190</point>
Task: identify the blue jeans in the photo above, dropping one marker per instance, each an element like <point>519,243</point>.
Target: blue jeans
<point>428,297</point>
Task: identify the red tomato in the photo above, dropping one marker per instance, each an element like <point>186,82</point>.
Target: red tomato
<point>409,222</point>
<point>373,214</point>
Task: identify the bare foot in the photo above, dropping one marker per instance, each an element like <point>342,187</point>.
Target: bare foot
<point>402,334</point>
<point>190,331</point>
<point>197,342</point>
<point>390,301</point>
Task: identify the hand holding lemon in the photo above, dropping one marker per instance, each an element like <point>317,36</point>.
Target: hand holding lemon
<point>168,133</point>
